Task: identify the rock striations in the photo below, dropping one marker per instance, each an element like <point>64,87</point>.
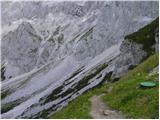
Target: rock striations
<point>52,52</point>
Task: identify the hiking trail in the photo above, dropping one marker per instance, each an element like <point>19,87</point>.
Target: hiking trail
<point>100,111</point>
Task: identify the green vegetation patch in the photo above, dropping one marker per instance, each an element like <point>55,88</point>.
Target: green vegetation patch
<point>134,101</point>
<point>8,106</point>
<point>145,36</point>
<point>79,108</point>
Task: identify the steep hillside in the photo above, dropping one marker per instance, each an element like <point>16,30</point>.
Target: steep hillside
<point>53,52</point>
<point>134,101</point>
<point>126,95</point>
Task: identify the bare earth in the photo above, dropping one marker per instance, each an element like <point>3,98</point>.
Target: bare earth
<point>100,111</point>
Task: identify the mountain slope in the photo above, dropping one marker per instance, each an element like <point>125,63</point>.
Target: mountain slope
<point>126,95</point>
<point>62,49</point>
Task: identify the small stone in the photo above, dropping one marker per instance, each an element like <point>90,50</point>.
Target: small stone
<point>106,112</point>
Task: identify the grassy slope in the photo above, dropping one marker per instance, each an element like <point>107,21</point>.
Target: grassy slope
<point>134,102</point>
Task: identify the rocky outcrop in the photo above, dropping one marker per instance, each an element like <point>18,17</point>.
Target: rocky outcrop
<point>134,51</point>
<point>131,55</point>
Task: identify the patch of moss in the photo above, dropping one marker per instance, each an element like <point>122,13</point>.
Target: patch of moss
<point>66,82</point>
<point>82,83</point>
<point>145,36</point>
<point>8,106</point>
<point>34,50</point>
<point>54,94</point>
<point>60,38</point>
<point>4,94</point>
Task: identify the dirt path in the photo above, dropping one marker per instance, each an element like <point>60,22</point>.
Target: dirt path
<point>100,111</point>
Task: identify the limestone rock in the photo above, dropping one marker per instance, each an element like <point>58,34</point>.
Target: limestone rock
<point>131,54</point>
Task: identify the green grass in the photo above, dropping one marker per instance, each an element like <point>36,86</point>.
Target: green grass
<point>76,109</point>
<point>132,100</point>
<point>125,96</point>
<point>145,36</point>
<point>80,107</point>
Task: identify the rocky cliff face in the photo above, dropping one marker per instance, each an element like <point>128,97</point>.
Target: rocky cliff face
<point>89,28</point>
<point>131,55</point>
<point>61,49</point>
<point>136,47</point>
<point>20,47</point>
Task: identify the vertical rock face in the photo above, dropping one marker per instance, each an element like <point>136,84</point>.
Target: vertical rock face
<point>54,51</point>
